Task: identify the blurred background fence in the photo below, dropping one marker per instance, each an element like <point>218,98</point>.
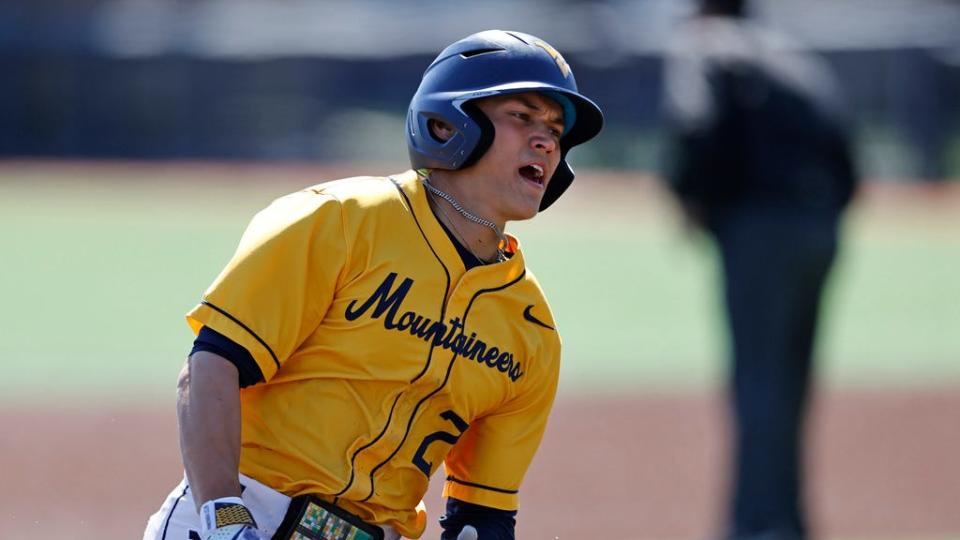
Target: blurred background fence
<point>305,80</point>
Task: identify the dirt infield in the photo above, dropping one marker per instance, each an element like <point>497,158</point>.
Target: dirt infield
<point>884,465</point>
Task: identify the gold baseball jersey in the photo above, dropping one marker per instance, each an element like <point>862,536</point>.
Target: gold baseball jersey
<point>382,355</point>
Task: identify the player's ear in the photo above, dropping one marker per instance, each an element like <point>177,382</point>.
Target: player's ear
<point>440,130</point>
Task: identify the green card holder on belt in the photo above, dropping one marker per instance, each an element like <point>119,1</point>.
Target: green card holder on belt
<point>310,518</point>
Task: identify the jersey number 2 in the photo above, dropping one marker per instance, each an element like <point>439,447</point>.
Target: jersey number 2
<point>425,466</point>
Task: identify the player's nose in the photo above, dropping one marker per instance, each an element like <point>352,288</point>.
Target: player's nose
<point>543,139</point>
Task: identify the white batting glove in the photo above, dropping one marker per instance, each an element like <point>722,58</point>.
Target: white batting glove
<point>227,519</point>
<point>467,533</point>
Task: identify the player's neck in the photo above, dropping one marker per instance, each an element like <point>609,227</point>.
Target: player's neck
<point>481,236</point>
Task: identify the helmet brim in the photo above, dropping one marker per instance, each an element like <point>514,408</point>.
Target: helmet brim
<point>589,118</point>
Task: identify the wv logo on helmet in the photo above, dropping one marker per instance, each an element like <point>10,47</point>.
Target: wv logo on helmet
<point>561,63</point>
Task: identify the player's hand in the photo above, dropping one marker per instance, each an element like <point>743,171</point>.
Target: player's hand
<point>467,533</point>
<point>227,519</point>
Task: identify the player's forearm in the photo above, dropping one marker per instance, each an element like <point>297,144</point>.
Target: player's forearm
<point>209,416</point>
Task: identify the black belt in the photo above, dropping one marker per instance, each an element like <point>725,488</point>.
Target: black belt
<point>310,518</point>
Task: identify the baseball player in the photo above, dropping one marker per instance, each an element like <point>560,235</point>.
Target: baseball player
<point>369,329</point>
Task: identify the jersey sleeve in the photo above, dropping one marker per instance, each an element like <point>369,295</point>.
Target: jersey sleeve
<point>280,282</point>
<point>488,463</point>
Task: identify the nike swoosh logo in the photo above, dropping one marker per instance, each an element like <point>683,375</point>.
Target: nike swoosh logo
<point>529,316</point>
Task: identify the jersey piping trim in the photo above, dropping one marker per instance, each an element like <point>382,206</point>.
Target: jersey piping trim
<point>492,289</point>
<point>353,458</point>
<point>443,313</point>
<point>481,486</point>
<point>245,327</point>
<point>406,433</point>
<point>443,305</point>
<point>446,378</point>
<point>466,315</point>
<point>166,522</point>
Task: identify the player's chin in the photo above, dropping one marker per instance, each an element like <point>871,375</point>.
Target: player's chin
<point>527,197</point>
<point>527,215</point>
<point>527,210</point>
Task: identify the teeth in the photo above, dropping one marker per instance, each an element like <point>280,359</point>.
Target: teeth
<point>538,169</point>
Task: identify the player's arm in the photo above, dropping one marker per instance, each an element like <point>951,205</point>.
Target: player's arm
<point>263,304</point>
<point>208,408</point>
<point>208,411</point>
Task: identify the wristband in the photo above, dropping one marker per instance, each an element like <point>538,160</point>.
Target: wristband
<point>223,512</point>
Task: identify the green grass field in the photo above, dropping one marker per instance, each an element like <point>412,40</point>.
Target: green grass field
<point>100,264</point>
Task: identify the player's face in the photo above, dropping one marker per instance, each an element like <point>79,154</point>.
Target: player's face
<point>512,175</point>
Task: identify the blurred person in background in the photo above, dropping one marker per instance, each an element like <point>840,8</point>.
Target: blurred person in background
<point>369,329</point>
<point>759,159</point>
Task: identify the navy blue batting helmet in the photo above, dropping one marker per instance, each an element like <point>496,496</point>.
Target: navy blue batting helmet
<point>486,64</point>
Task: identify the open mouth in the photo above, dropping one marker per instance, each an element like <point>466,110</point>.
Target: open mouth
<point>533,172</point>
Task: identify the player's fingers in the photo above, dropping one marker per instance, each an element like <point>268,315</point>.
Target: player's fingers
<point>467,533</point>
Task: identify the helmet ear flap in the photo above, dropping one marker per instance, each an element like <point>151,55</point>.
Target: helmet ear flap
<point>487,133</point>
<point>561,180</point>
<point>426,149</point>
